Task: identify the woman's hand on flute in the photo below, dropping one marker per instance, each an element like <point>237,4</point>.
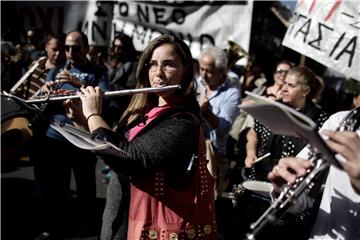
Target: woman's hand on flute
<point>92,99</point>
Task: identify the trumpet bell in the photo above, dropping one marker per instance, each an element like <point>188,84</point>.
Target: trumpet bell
<point>235,52</point>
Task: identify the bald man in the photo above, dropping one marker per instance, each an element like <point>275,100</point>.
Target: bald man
<point>52,172</point>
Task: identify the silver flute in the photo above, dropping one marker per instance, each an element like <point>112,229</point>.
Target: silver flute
<point>54,97</point>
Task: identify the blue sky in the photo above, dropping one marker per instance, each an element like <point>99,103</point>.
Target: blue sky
<point>290,4</point>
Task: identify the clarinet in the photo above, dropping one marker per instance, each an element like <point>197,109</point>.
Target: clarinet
<point>303,183</point>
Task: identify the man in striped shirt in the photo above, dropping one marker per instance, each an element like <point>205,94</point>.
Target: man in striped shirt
<point>31,82</point>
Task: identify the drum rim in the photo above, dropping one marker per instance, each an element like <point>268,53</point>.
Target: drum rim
<point>259,187</point>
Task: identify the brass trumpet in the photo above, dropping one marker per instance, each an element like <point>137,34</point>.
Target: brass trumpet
<point>234,53</point>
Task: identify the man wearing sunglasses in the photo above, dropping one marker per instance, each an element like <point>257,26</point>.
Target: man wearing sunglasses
<point>78,70</point>
<point>52,172</point>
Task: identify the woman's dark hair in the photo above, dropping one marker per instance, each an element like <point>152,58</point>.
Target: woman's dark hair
<point>130,53</point>
<point>56,35</point>
<point>141,103</point>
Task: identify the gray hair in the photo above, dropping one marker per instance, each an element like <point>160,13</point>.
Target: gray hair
<point>219,55</point>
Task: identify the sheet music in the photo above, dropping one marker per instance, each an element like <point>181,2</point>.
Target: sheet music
<point>284,120</point>
<point>83,139</point>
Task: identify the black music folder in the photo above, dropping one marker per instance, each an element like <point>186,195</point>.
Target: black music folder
<point>284,120</point>
<point>83,139</point>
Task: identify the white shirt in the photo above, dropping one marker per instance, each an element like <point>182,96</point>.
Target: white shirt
<point>339,213</point>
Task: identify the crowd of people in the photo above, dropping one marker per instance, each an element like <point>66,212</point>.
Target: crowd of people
<point>186,149</point>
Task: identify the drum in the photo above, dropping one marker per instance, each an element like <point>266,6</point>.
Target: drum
<point>258,188</point>
<point>251,199</point>
<point>15,131</point>
<point>251,191</point>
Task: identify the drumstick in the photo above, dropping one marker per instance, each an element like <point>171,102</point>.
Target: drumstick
<point>262,157</point>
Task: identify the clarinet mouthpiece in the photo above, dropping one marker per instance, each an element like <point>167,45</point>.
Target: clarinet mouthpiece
<point>67,65</point>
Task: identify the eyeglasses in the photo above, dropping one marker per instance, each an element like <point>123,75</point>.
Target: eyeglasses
<point>73,48</point>
<point>280,71</point>
<point>166,67</point>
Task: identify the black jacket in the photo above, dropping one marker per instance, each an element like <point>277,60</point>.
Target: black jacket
<point>168,142</point>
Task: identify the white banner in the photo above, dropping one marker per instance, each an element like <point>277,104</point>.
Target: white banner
<point>97,24</point>
<point>199,23</point>
<point>328,32</point>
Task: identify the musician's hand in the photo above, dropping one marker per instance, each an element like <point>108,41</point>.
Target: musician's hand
<point>91,100</point>
<point>66,77</point>
<point>47,87</point>
<point>287,170</point>
<point>347,144</point>
<point>73,110</point>
<point>249,161</point>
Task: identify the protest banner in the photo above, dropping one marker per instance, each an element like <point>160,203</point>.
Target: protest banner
<point>200,24</point>
<point>327,31</point>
